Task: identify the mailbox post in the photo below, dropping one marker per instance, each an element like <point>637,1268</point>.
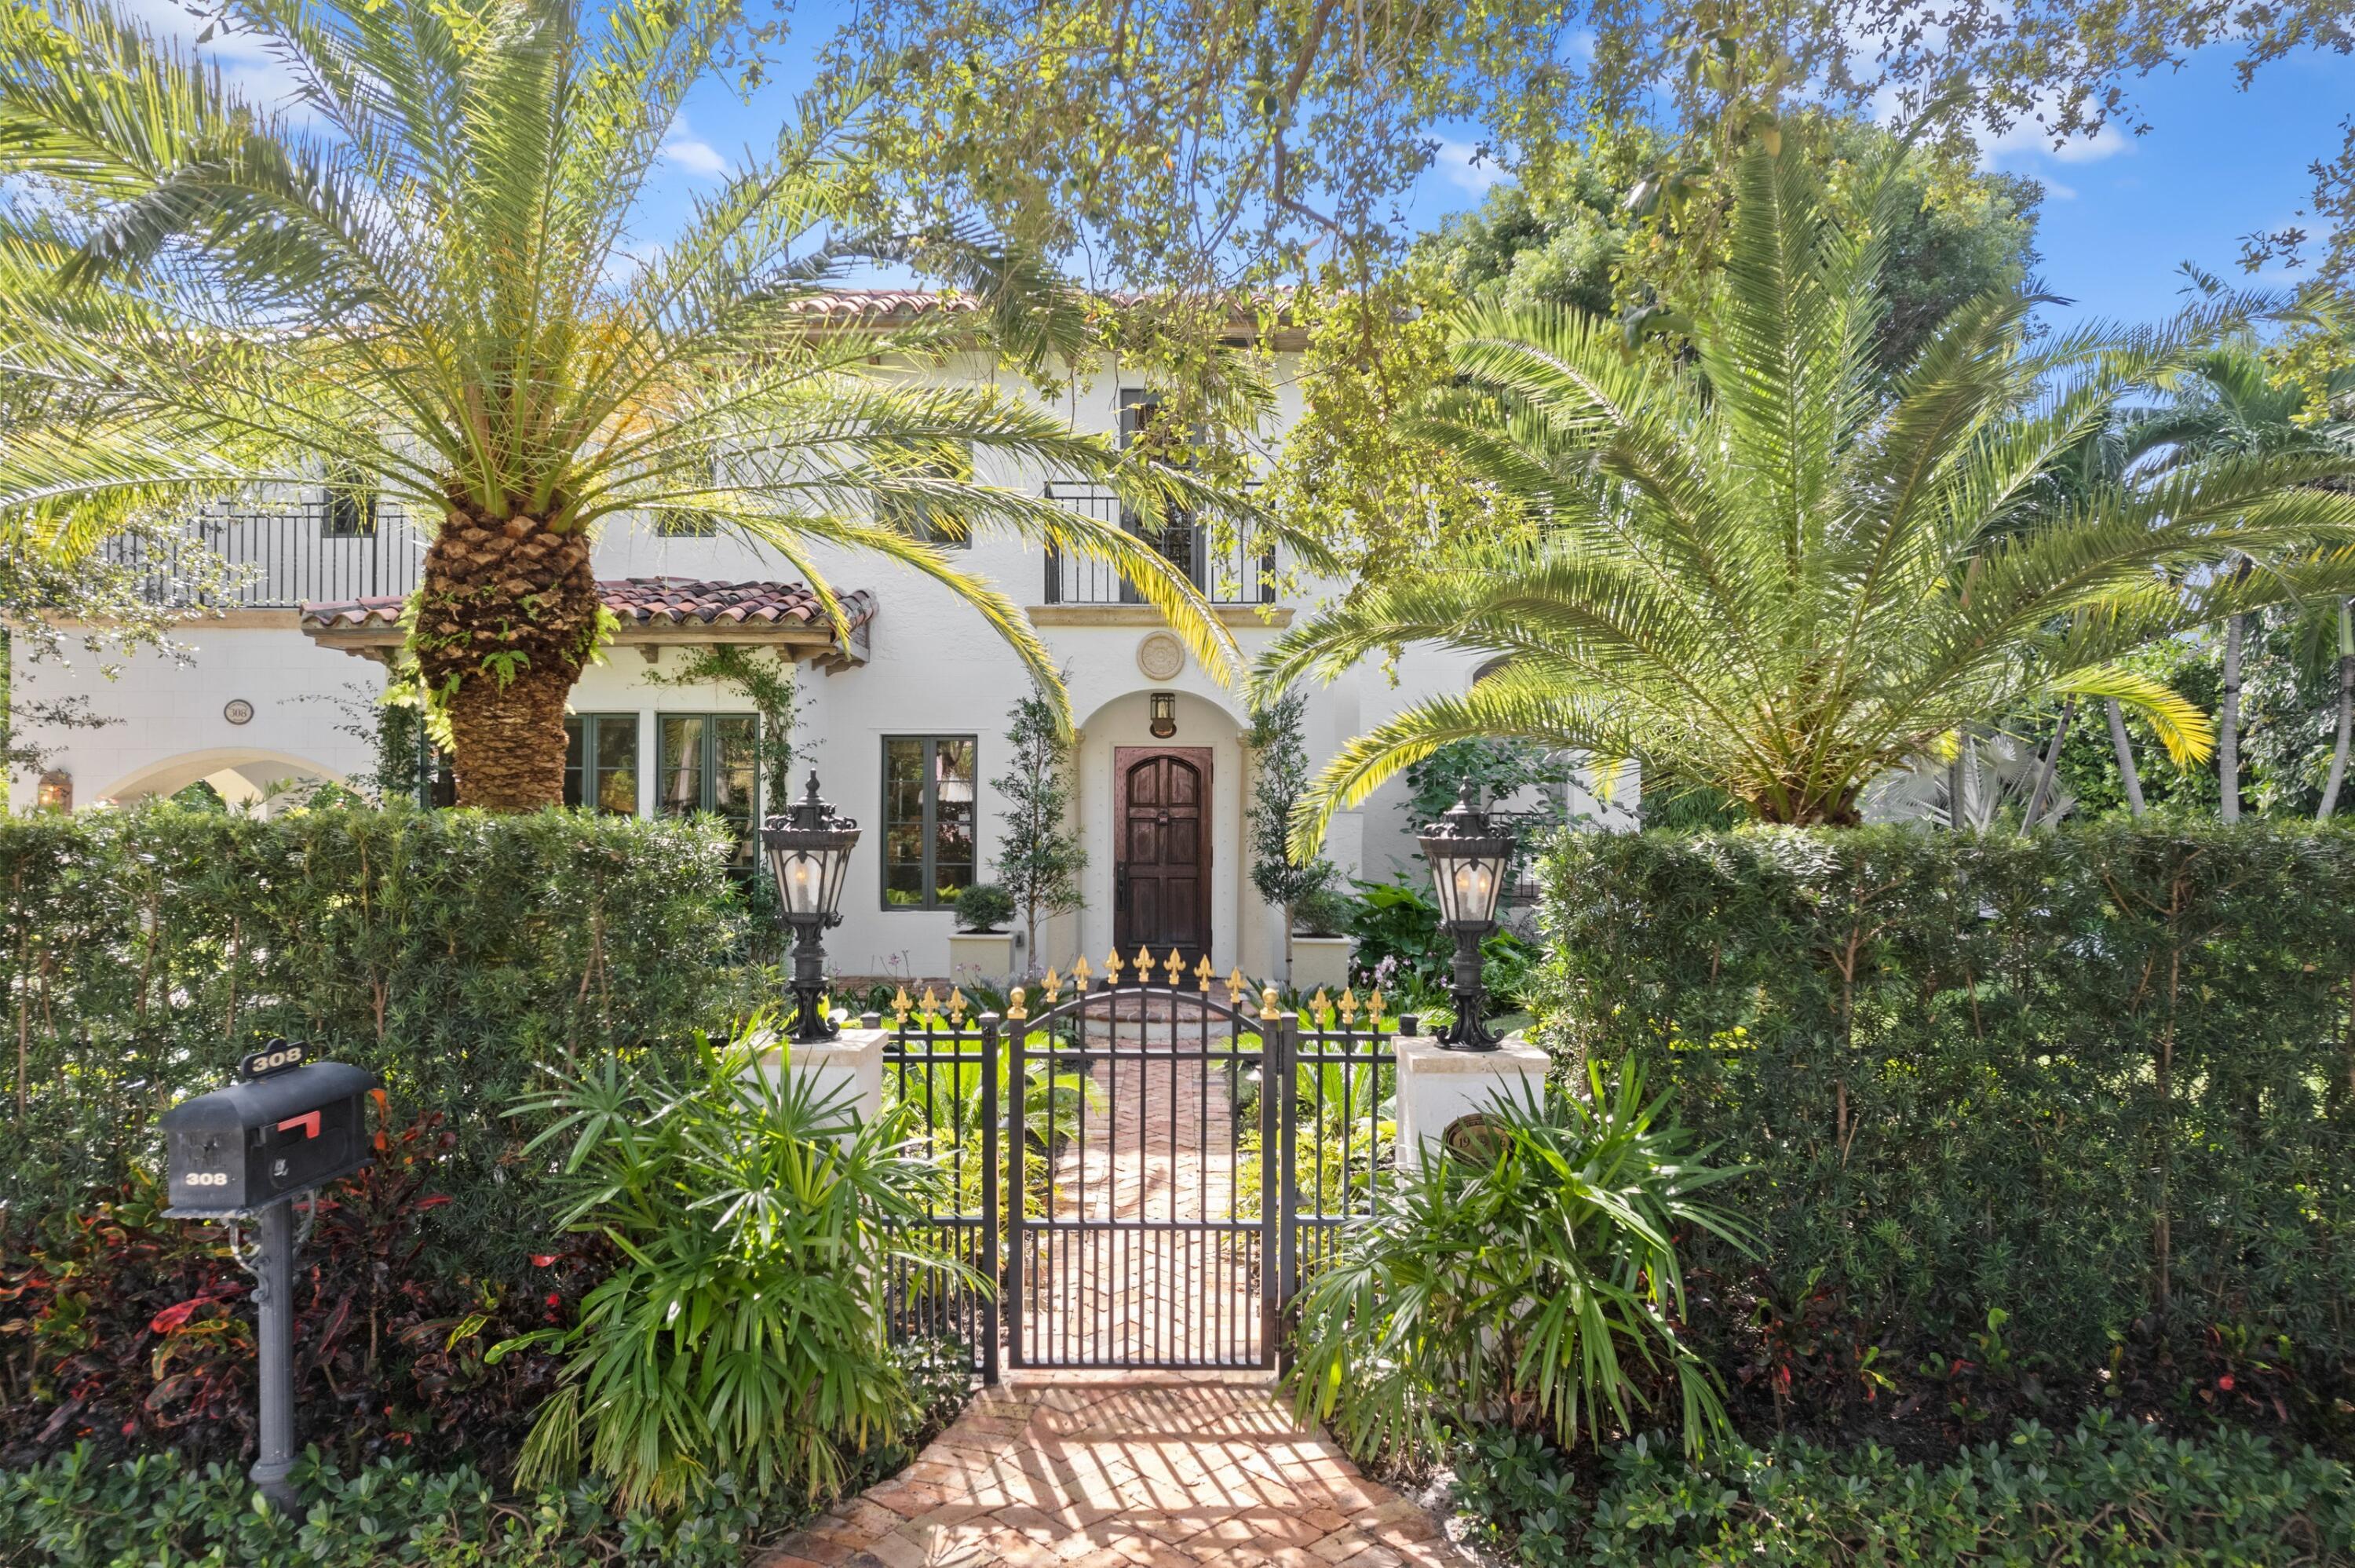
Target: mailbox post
<point>245,1153</point>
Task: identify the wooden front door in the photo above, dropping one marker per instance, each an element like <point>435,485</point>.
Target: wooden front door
<point>1161,870</point>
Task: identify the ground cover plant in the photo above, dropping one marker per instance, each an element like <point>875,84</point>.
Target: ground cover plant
<point>2040,1122</point>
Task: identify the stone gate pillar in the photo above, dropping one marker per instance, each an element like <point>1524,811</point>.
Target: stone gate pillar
<point>1437,1087</point>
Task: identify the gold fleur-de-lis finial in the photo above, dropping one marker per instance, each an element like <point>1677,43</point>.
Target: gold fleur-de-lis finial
<point>1014,1009</point>
<point>956,1005</point>
<point>1319,1005</point>
<point>1176,968</point>
<point>1348,1008</point>
<point>1111,967</point>
<point>1267,1003</point>
<point>1144,962</point>
<point>1204,974</point>
<point>1374,1009</point>
<point>1236,986</point>
<point>931,1003</point>
<point>1054,989</point>
<point>900,1002</point>
<point>1080,972</point>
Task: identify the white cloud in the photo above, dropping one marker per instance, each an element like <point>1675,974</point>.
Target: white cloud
<point>2058,191</point>
<point>2025,137</point>
<point>1464,167</point>
<point>690,151</point>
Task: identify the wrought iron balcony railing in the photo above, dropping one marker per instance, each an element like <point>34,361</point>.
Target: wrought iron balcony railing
<point>278,556</point>
<point>1229,567</point>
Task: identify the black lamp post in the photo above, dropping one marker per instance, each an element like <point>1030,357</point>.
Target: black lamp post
<point>809,852</point>
<point>1467,867</point>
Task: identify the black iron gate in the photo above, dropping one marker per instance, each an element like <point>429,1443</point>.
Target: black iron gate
<point>1148,1171</point>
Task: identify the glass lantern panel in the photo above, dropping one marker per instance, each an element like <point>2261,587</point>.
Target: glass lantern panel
<point>801,882</point>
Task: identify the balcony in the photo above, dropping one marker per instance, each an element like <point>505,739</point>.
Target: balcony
<point>1234,570</point>
<point>278,556</point>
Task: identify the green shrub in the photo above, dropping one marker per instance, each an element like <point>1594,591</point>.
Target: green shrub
<point>2113,1492</point>
<point>2035,1119</point>
<point>77,1512</point>
<point>743,1330</point>
<point>1326,911</point>
<point>142,951</point>
<point>1403,951</point>
<point>984,906</point>
<point>1538,1277</point>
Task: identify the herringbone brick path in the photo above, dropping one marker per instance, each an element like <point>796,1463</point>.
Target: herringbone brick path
<point>1164,1474</point>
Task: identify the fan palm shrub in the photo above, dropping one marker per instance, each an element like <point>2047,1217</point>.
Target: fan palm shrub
<point>418,268</point>
<point>1532,1282</point>
<point>1772,567</point>
<point>759,1225</point>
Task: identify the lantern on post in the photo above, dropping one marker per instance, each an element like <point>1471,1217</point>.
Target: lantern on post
<point>1467,870</point>
<point>809,854</point>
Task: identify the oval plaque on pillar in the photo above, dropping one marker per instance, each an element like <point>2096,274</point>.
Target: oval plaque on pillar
<point>1477,1138</point>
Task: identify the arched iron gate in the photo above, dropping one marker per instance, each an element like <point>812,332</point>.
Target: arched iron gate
<point>1144,1171</point>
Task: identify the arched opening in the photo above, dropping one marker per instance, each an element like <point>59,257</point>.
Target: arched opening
<point>244,777</point>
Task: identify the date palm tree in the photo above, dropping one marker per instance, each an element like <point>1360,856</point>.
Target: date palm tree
<point>421,265</point>
<point>1774,569</point>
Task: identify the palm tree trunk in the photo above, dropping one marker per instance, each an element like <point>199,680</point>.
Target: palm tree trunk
<point>2346,713</point>
<point>2228,726</point>
<point>507,615</point>
<point>2049,768</point>
<point>2128,774</point>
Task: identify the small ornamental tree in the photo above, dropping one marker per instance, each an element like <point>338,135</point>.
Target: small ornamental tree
<point>1039,853</point>
<point>1275,738</point>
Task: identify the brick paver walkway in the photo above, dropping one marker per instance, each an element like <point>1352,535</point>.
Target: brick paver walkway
<point>1163,1474</point>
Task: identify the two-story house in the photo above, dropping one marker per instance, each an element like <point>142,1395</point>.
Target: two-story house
<point>905,725</point>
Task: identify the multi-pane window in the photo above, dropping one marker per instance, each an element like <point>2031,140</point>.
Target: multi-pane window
<point>927,820</point>
<point>711,762</point>
<point>601,762</point>
<point>351,509</point>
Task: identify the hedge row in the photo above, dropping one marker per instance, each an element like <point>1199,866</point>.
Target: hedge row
<point>2059,1112</point>
<point>142,952</point>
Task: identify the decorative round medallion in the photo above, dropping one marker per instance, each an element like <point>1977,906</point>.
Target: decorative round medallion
<point>239,711</point>
<point>1161,656</point>
<point>1478,1138</point>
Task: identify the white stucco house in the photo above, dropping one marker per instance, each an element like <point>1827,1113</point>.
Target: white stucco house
<point>905,725</point>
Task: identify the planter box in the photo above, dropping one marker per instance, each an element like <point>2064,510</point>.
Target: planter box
<point>985,956</point>
<point>1321,961</point>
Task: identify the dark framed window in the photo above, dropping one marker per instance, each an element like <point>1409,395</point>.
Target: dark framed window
<point>709,762</point>
<point>601,762</point>
<point>929,849</point>
<point>349,511</point>
<point>934,462</point>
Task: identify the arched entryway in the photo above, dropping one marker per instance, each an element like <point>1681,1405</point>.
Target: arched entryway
<point>242,776</point>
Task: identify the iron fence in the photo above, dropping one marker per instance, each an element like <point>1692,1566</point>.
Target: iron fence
<point>277,556</point>
<point>944,1076</point>
<point>1230,566</point>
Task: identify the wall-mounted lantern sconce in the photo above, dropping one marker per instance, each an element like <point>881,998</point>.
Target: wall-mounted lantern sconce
<point>54,791</point>
<point>1165,713</point>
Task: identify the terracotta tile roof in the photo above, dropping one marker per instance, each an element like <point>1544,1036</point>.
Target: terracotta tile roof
<point>639,601</point>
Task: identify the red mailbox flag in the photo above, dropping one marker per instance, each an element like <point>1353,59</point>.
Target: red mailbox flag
<point>308,1121</point>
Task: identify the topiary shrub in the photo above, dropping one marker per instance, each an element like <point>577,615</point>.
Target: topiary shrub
<point>984,906</point>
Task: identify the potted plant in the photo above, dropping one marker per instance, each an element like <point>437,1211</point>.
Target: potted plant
<point>1321,942</point>
<point>980,949</point>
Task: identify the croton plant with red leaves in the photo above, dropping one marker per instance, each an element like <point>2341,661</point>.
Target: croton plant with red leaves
<point>122,1328</point>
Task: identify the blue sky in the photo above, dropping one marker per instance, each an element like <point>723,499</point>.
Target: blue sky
<point>2122,211</point>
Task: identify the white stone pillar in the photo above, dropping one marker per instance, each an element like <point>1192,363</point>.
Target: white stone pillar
<point>848,1067</point>
<point>1436,1085</point>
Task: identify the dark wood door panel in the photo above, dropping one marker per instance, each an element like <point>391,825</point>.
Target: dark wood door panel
<point>1162,877</point>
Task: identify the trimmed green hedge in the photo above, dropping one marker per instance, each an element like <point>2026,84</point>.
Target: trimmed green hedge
<point>2112,1492</point>
<point>2072,1113</point>
<point>142,952</point>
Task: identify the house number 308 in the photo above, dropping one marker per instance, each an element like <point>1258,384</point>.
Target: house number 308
<point>207,1178</point>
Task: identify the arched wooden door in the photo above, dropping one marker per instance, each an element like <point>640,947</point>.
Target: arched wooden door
<point>1161,870</point>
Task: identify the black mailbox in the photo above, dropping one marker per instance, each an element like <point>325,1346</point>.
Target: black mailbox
<point>288,1127</point>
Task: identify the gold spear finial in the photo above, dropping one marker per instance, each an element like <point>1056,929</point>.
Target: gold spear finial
<point>1236,986</point>
<point>1080,973</point>
<point>1318,1006</point>
<point>1176,967</point>
<point>1204,974</point>
<point>1348,1008</point>
<point>1374,1009</point>
<point>1144,962</point>
<point>1111,967</point>
<point>931,1003</point>
<point>956,1005</point>
<point>900,1002</point>
<point>1054,989</point>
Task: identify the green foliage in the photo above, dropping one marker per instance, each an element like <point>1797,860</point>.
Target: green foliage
<point>1326,911</point>
<point>1403,949</point>
<point>1040,857</point>
<point>2110,1492</point>
<point>1749,573</point>
<point>744,1330</point>
<point>2039,1122</point>
<point>142,951</point>
<point>984,906</point>
<point>77,1512</point>
<point>1280,750</point>
<point>766,678</point>
<point>1539,1277</point>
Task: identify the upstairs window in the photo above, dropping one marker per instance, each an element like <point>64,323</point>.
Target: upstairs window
<point>927,820</point>
<point>936,461</point>
<point>601,762</point>
<point>711,763</point>
<point>349,509</point>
